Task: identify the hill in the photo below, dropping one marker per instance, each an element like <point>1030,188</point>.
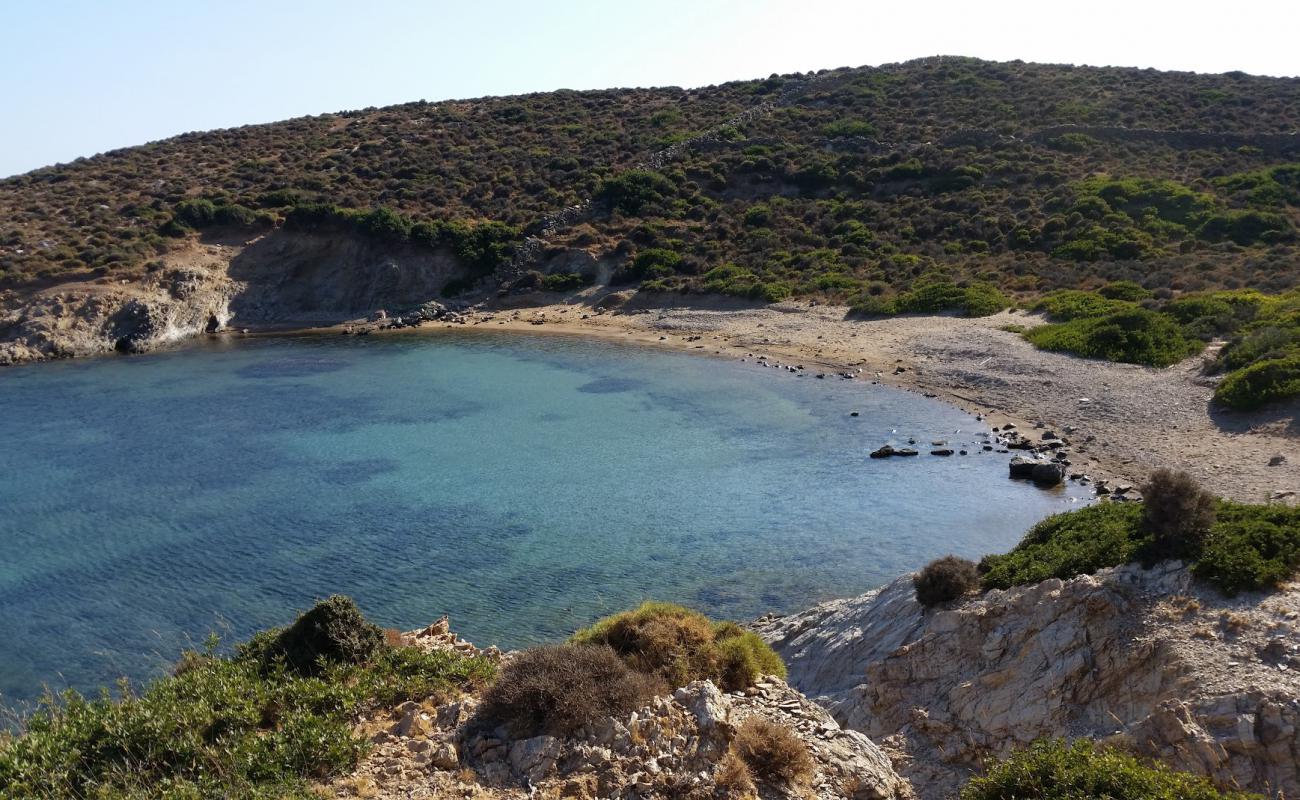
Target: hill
<point>942,183</point>
<point>1032,176</point>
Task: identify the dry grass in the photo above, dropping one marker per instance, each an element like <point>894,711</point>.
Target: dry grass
<point>732,778</point>
<point>773,753</point>
<point>681,645</point>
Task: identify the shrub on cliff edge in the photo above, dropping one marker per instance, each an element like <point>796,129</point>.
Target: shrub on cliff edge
<point>558,689</point>
<point>1178,512</point>
<point>332,631</point>
<point>1054,770</point>
<point>681,645</point>
<point>945,579</point>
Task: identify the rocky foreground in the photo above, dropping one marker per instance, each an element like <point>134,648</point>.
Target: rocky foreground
<point>677,746</point>
<point>907,702</point>
<point>1144,658</point>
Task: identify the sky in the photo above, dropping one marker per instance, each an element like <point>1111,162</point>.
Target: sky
<point>79,77</point>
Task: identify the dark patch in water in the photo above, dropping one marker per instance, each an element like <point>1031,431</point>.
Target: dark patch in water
<point>610,386</point>
<point>297,367</point>
<point>359,471</point>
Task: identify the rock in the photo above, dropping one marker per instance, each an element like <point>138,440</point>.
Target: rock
<point>1098,656</point>
<point>906,451</point>
<point>943,451</point>
<point>1277,461</point>
<point>1048,474</point>
<point>1022,467</point>
<point>534,758</point>
<point>883,452</point>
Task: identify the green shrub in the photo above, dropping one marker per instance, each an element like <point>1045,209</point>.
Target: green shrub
<point>655,263</point>
<point>1134,336</point>
<point>564,281</point>
<point>558,689</point>
<point>681,645</point>
<point>1251,547</point>
<point>1064,305</point>
<point>1055,770</point>
<point>945,579</point>
<point>1177,512</point>
<point>848,127</point>
<point>332,632</point>
<point>1248,546</point>
<point>1260,383</point>
<point>976,300</point>
<point>1124,290</point>
<point>1069,544</point>
<point>1245,227</point>
<point>219,728</point>
<point>635,189</point>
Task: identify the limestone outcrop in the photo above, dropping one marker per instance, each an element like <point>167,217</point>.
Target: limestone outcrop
<point>1147,658</point>
<point>675,746</point>
<point>90,318</point>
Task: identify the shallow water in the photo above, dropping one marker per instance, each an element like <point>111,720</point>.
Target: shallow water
<point>522,484</point>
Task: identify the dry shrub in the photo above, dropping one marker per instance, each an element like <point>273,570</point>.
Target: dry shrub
<point>772,752</point>
<point>1178,512</point>
<point>732,778</point>
<point>393,638</point>
<point>945,579</point>
<point>681,645</point>
<point>560,688</point>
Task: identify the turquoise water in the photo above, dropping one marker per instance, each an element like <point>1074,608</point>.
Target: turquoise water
<point>522,484</point>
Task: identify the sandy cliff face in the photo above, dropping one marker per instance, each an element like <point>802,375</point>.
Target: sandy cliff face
<point>88,318</point>
<point>1147,658</point>
<point>291,278</point>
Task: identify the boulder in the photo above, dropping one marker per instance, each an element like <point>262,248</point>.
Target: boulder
<point>1022,467</point>
<point>883,452</point>
<point>1049,474</point>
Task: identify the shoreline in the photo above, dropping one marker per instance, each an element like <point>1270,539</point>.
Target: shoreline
<point>1122,420</point>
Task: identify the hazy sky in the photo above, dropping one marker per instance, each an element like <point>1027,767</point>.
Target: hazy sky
<point>78,78</point>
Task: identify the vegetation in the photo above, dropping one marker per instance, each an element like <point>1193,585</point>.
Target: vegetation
<point>248,726</point>
<point>945,579</point>
<point>1056,770</point>
<point>860,184</point>
<point>680,645</point>
<point>1246,547</point>
<point>1178,513</point>
<point>1123,322</point>
<point>772,752</point>
<point>558,689</point>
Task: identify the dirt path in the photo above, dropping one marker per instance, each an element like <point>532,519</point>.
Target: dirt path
<point>1126,420</point>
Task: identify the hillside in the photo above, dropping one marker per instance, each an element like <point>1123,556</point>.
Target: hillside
<point>943,184</point>
<point>1030,176</point>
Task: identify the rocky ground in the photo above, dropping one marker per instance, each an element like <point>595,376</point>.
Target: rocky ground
<point>678,746</point>
<point>1146,658</point>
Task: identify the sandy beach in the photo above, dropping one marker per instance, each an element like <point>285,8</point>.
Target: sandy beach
<point>1122,420</point>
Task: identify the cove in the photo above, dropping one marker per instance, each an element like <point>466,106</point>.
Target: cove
<point>522,484</point>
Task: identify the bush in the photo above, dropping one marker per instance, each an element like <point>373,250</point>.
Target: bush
<point>219,728</point>
<point>1248,546</point>
<point>631,191</point>
<point>1177,512</point>
<point>1133,336</point>
<point>1055,770</point>
<point>681,645</point>
<point>772,752</point>
<point>332,632</point>
<point>1124,290</point>
<point>945,579</point>
<point>558,689</point>
<point>1251,547</point>
<point>564,282</point>
<point>1260,383</point>
<point>1069,544</point>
